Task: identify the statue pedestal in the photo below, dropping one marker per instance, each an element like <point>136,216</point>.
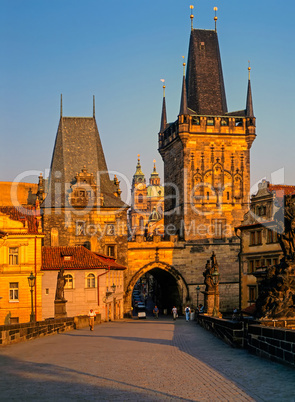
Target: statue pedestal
<point>209,301</point>
<point>60,310</point>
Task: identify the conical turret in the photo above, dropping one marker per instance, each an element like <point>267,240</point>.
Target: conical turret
<point>249,102</point>
<point>164,115</point>
<point>183,102</point>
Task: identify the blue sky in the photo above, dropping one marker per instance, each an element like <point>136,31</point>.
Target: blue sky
<point>119,51</point>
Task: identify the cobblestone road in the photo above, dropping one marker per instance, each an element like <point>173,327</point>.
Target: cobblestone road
<point>151,360</point>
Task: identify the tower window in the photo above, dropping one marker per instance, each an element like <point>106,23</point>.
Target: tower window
<point>208,195</point>
<point>227,195</point>
<point>140,198</point>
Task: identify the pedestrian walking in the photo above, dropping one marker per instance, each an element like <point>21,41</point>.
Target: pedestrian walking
<point>187,313</point>
<point>156,312</point>
<point>174,313</point>
<point>91,316</point>
<point>201,308</point>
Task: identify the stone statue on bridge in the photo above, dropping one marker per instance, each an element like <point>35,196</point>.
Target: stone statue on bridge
<point>276,284</point>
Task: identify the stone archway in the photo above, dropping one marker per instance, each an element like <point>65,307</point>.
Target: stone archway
<point>152,266</point>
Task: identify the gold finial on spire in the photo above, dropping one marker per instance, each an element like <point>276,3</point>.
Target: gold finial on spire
<point>249,69</point>
<point>162,80</point>
<point>183,65</point>
<point>192,17</point>
<point>138,157</point>
<point>215,18</point>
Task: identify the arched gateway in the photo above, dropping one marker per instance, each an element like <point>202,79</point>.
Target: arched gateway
<point>174,290</point>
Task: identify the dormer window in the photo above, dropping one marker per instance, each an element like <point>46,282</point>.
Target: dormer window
<point>68,257</point>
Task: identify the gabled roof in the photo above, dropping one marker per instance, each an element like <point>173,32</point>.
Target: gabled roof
<point>204,79</point>
<point>77,145</point>
<point>27,216</point>
<point>70,257</point>
<point>76,257</point>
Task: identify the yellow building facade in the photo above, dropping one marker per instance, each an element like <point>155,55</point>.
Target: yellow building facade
<point>20,254</point>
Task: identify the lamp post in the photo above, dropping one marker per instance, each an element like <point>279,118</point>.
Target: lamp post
<point>113,287</point>
<point>215,277</point>
<point>32,281</point>
<point>198,292</point>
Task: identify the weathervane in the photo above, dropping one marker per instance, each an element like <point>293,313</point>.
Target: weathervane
<point>183,65</point>
<point>162,80</point>
<point>249,69</point>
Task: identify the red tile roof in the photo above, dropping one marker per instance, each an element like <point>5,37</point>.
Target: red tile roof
<point>110,261</point>
<point>282,189</point>
<point>75,257</point>
<point>26,215</point>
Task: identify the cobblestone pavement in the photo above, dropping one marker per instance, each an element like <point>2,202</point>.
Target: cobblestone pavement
<point>148,360</point>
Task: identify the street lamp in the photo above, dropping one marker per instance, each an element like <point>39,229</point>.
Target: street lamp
<point>32,281</point>
<point>113,287</point>
<point>198,292</point>
<point>215,277</point>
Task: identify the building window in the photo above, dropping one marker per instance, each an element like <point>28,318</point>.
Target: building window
<point>13,255</point>
<point>80,228</point>
<point>110,230</point>
<point>227,195</point>
<point>47,291</point>
<point>275,261</point>
<point>14,320</point>
<point>256,238</point>
<point>208,195</point>
<point>251,267</point>
<point>140,198</point>
<point>141,222</point>
<point>110,250</point>
<point>13,291</point>
<point>219,225</point>
<point>252,294</point>
<point>90,281</point>
<point>271,236</point>
<point>68,281</point>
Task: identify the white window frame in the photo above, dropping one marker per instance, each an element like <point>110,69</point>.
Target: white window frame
<point>13,256</point>
<point>13,292</point>
<point>90,280</point>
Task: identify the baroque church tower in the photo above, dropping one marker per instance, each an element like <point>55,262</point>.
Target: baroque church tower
<point>206,151</point>
<point>147,201</point>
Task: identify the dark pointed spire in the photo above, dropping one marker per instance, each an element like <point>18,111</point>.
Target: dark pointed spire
<point>183,103</point>
<point>164,116</point>
<point>249,103</point>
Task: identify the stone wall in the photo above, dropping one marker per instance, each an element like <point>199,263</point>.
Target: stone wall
<point>277,344</point>
<point>22,332</point>
<point>274,343</point>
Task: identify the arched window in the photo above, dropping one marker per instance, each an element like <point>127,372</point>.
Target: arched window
<point>68,281</point>
<point>90,281</point>
<point>140,198</point>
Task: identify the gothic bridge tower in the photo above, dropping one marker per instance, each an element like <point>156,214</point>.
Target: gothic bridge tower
<point>206,151</point>
<point>83,205</point>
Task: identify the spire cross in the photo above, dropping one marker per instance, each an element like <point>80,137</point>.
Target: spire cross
<point>192,17</point>
<point>60,105</point>
<point>215,18</point>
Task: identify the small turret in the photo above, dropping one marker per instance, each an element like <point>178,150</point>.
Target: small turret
<point>154,179</point>
<point>138,177</point>
<point>249,102</point>
<point>183,102</point>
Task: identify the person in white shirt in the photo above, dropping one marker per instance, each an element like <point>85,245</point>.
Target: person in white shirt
<point>91,316</point>
<point>174,312</point>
